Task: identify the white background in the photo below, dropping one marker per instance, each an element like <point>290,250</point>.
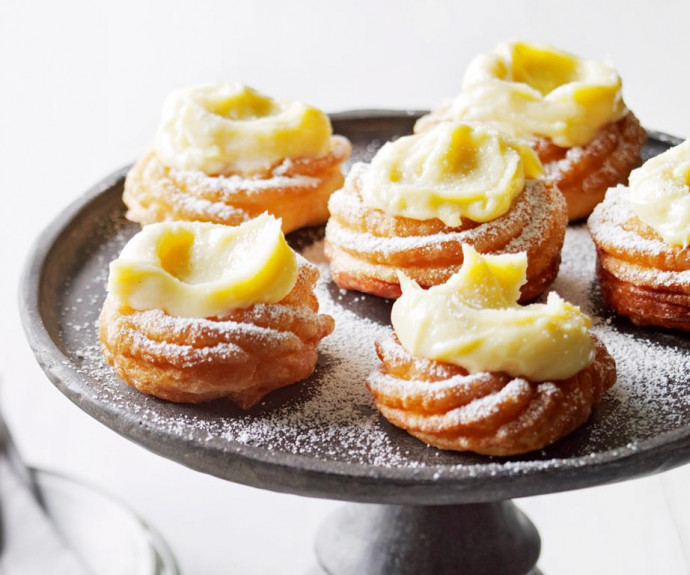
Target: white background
<point>80,89</point>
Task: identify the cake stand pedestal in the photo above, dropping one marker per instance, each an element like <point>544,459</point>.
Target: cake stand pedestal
<point>471,539</point>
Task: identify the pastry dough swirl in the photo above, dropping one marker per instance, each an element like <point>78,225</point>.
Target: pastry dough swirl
<point>242,355</point>
<point>225,154</point>
<point>367,247</point>
<point>296,191</point>
<point>583,174</point>
<point>488,413</point>
<point>642,277</point>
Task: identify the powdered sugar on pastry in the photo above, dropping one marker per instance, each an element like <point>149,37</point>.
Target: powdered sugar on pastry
<point>329,419</point>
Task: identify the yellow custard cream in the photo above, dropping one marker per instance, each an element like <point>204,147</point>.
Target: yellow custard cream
<point>660,194</point>
<point>226,128</point>
<point>529,90</point>
<point>474,321</point>
<point>452,171</point>
<point>194,269</point>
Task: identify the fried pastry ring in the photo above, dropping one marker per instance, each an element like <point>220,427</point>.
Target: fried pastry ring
<point>641,276</point>
<point>242,355</point>
<point>582,174</point>
<point>488,413</point>
<point>296,190</point>
<point>367,247</point>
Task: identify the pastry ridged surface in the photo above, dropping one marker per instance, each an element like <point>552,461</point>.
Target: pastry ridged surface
<point>296,190</point>
<point>242,355</point>
<point>641,276</point>
<point>488,413</point>
<point>583,174</point>
<point>367,247</point>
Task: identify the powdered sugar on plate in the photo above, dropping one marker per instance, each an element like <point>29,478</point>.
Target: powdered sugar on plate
<point>330,417</point>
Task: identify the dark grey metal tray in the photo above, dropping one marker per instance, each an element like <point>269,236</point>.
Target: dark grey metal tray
<point>322,437</point>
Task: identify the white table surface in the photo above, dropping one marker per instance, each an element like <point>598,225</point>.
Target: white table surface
<point>80,91</point>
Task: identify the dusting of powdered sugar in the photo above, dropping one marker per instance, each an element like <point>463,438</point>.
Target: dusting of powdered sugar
<point>652,365</point>
<point>330,417</point>
<point>334,416</point>
<point>339,409</point>
<point>533,207</point>
<point>608,224</point>
<point>553,171</point>
<point>230,185</point>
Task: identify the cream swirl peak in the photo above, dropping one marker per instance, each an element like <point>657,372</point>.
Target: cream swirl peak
<point>453,171</point>
<point>196,269</point>
<point>529,90</point>
<point>660,194</point>
<point>473,320</point>
<point>231,128</point>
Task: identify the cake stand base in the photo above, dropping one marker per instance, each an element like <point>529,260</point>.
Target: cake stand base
<point>470,539</point>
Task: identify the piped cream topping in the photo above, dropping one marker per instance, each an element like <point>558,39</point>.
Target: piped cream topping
<point>660,194</point>
<point>453,171</point>
<point>195,269</point>
<point>474,321</point>
<point>529,90</point>
<point>231,128</point>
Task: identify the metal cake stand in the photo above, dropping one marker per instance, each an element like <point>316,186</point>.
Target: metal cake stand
<point>427,511</point>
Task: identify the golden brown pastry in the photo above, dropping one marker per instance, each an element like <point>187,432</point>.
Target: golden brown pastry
<point>200,334</point>
<point>225,154</point>
<point>583,174</point>
<point>570,109</point>
<point>368,243</point>
<point>470,370</point>
<point>642,235</point>
<point>488,413</point>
